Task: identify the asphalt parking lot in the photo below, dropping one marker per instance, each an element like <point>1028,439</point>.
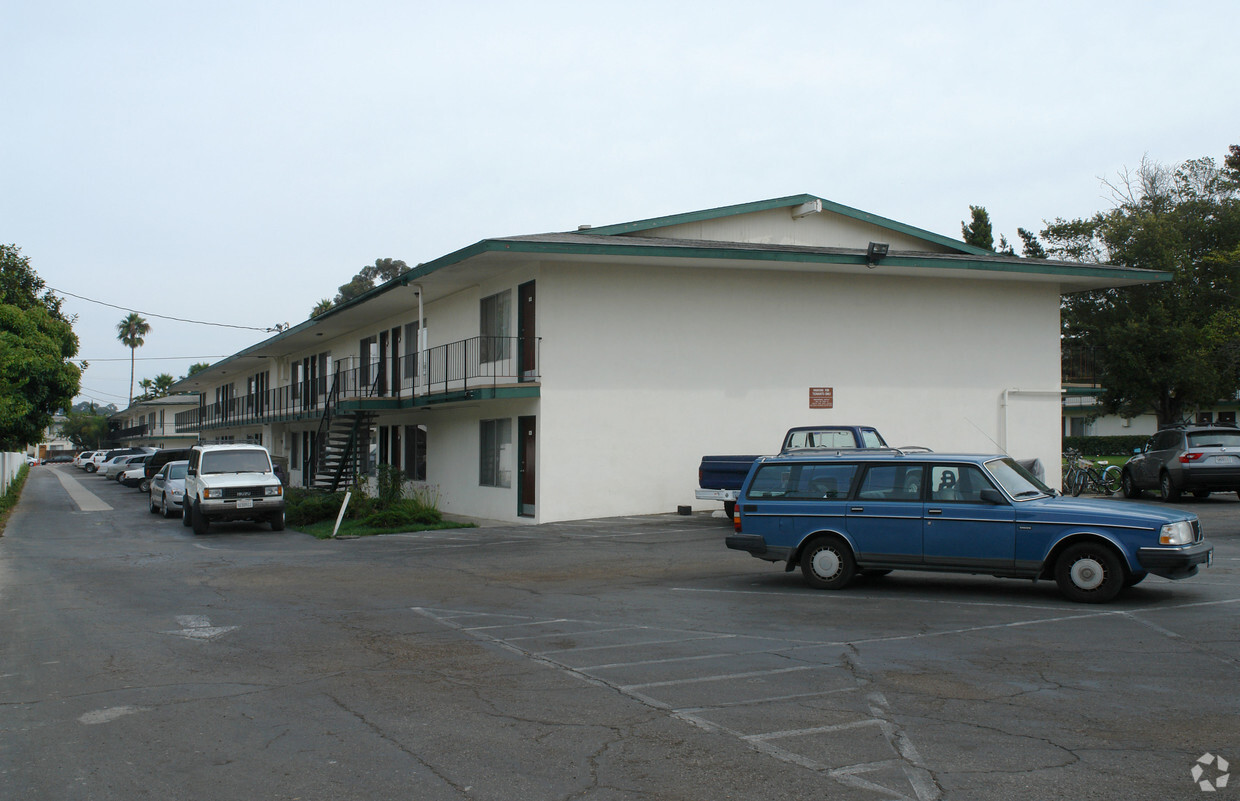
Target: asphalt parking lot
<point>746,682</point>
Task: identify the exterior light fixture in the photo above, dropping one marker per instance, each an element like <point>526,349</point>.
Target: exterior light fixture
<point>875,253</point>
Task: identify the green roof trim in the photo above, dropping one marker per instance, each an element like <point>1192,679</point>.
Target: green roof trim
<point>766,253</point>
<point>785,202</point>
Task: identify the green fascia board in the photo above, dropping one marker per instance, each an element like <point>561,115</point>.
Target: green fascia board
<point>786,202</point>
<point>945,262</point>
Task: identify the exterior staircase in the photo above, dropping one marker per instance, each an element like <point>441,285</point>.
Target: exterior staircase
<point>340,444</point>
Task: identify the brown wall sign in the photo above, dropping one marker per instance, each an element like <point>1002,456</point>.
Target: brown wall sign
<point>821,397</point>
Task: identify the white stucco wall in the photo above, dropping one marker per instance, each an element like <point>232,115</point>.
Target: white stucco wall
<point>646,369</point>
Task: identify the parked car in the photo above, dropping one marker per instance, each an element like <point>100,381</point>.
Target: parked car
<point>840,515</point>
<point>82,458</point>
<point>720,477</point>
<point>1199,459</point>
<point>113,468</point>
<point>99,457</point>
<point>158,460</point>
<point>134,475</point>
<point>232,482</point>
<point>167,492</point>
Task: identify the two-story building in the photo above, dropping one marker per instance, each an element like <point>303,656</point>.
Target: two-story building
<point>583,374</point>
<point>150,422</point>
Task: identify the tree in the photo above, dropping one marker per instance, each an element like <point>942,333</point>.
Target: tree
<point>36,342</point>
<point>196,367</point>
<point>383,270</point>
<point>162,384</point>
<point>1032,248</point>
<point>146,385</point>
<point>1166,347</point>
<point>130,332</point>
<point>85,429</point>
<point>978,232</point>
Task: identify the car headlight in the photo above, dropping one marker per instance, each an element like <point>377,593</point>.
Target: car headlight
<point>274,490</point>
<point>1180,533</point>
<point>176,493</point>
<point>213,493</point>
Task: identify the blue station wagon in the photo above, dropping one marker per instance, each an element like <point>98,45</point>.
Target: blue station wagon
<point>870,512</point>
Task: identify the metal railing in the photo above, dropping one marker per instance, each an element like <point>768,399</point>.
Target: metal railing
<point>455,367</point>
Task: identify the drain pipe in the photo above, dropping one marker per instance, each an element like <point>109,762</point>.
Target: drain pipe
<point>1003,405</point>
<point>417,369</point>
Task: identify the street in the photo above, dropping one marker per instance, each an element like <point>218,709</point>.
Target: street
<point>605,659</point>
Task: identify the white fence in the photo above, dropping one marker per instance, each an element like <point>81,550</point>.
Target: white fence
<point>10,463</point>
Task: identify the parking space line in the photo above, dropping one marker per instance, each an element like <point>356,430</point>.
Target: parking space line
<point>86,500</point>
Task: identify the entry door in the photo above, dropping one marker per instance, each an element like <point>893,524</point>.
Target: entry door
<point>396,361</point>
<point>525,330</point>
<point>526,463</point>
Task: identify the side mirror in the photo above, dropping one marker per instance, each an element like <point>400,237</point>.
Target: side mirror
<point>992,497</point>
<point>191,472</point>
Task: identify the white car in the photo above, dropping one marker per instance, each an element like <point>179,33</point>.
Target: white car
<point>113,468</point>
<point>82,458</point>
<point>167,493</point>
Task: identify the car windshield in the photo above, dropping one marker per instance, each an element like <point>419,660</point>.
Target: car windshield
<point>176,471</point>
<point>236,462</point>
<point>1214,439</point>
<point>1016,480</point>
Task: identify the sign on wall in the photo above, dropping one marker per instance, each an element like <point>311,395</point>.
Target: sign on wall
<point>821,397</point>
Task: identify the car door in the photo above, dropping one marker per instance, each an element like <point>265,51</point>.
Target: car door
<point>960,529</point>
<point>884,516</point>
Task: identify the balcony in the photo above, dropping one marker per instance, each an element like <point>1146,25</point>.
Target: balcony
<point>457,371</point>
<point>132,432</point>
<point>1078,365</point>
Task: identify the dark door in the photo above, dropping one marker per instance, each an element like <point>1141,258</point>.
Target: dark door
<point>526,484</point>
<point>381,389</point>
<point>396,361</point>
<point>525,330</point>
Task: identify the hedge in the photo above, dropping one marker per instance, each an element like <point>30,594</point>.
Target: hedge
<point>1106,446</point>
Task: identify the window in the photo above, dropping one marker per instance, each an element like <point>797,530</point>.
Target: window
<point>415,452</point>
<point>957,483</point>
<point>495,326</point>
<point>892,483</point>
<point>803,482</point>
<point>495,453</point>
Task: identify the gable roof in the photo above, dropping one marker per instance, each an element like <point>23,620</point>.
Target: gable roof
<point>639,226</point>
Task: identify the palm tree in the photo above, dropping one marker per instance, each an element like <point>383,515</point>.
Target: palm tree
<point>321,307</point>
<point>163,383</point>
<point>130,332</point>
<point>146,386</point>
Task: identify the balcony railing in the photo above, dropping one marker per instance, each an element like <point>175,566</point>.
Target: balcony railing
<point>1078,365</point>
<point>456,367</point>
<point>127,433</point>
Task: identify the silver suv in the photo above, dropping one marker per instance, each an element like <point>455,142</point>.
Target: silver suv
<point>232,482</point>
<point>1199,459</point>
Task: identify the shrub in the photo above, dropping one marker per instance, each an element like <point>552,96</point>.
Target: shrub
<point>1106,446</point>
<point>405,513</point>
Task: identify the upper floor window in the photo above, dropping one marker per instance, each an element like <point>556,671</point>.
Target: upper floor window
<point>495,325</point>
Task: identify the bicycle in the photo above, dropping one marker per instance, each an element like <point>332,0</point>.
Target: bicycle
<point>1081,474</point>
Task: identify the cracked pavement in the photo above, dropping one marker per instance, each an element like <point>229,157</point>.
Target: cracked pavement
<point>608,659</point>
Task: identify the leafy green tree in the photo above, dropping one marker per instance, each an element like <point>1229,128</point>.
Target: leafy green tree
<point>131,332</point>
<point>86,429</point>
<point>1167,347</point>
<point>162,384</point>
<point>36,343</point>
<point>1032,248</point>
<point>978,232</point>
<point>321,307</point>
<point>383,270</point>
<point>196,367</point>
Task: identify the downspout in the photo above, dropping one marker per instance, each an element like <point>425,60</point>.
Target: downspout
<point>417,370</point>
<point>1003,406</point>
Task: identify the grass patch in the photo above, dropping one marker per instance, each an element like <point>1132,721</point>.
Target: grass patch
<point>14,494</point>
<point>359,528</point>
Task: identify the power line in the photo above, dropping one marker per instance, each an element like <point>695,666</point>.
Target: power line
<point>147,359</point>
<point>164,316</point>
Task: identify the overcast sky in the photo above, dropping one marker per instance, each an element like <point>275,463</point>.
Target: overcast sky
<point>235,162</point>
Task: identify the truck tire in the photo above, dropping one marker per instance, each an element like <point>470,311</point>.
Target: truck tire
<point>729,508</point>
<point>200,522</point>
<point>277,521</point>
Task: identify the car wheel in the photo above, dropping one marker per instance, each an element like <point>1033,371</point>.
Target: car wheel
<point>200,522</point>
<point>164,507</point>
<point>151,504</point>
<point>828,564</point>
<point>187,517</point>
<point>90,468</point>
<point>1166,489</point>
<point>277,521</point>
<point>1130,488</point>
<point>1201,493</point>
<point>144,485</point>
<point>1089,573</point>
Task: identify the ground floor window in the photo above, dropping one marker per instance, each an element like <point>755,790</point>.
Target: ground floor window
<point>495,453</point>
<point>415,452</point>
